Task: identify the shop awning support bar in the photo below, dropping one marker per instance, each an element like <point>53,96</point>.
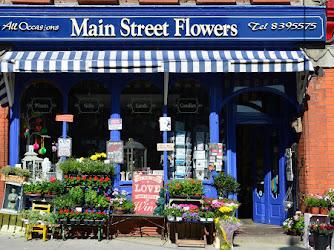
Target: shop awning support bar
<point>9,82</point>
<point>166,79</point>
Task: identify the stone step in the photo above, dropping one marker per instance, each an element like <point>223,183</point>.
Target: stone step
<point>287,240</point>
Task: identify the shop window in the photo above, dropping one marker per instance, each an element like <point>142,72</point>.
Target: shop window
<point>40,102</point>
<point>90,103</point>
<point>141,107</point>
<point>189,109</point>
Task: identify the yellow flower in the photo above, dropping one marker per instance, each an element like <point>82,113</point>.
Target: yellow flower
<point>104,155</point>
<point>82,159</point>
<point>93,157</point>
<point>225,210</point>
<point>217,220</point>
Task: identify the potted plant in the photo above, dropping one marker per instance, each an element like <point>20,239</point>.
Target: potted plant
<point>324,203</point>
<point>89,217</point>
<point>14,174</point>
<point>77,195</point>
<point>75,217</point>
<point>225,184</point>
<point>190,216</point>
<point>209,215</point>
<point>120,203</point>
<point>172,211</point>
<point>100,218</point>
<point>321,232</point>
<point>294,225</point>
<point>313,202</point>
<point>63,216</point>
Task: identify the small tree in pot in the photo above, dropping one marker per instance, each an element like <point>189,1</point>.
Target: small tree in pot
<point>225,184</point>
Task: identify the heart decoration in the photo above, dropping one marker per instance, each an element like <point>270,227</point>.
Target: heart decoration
<point>44,130</point>
<point>38,120</point>
<point>38,128</point>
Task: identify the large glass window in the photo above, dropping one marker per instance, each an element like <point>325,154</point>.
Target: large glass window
<point>90,103</point>
<point>141,107</point>
<point>40,102</point>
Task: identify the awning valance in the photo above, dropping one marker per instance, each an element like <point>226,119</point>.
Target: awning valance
<point>153,61</point>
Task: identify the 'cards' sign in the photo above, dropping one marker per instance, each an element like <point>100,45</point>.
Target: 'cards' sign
<point>145,192</point>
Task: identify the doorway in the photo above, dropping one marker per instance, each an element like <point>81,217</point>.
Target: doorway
<point>258,160</point>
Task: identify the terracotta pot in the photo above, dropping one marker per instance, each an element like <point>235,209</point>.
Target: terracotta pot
<point>164,2</point>
<point>315,210</point>
<point>216,2</point>
<point>324,210</point>
<point>32,1</point>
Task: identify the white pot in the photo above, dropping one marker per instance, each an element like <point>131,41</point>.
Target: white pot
<point>203,219</point>
<point>178,218</point>
<point>170,218</point>
<point>209,219</point>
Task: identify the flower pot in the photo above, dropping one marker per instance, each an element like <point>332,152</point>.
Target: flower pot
<point>119,210</point>
<point>315,210</point>
<point>63,221</point>
<point>292,231</point>
<point>203,220</point>
<point>170,218</point>
<point>324,210</point>
<point>178,218</point>
<point>99,222</point>
<point>320,241</point>
<point>210,220</point>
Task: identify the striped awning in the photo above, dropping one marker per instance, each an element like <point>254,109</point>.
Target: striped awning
<point>154,61</point>
<point>3,92</point>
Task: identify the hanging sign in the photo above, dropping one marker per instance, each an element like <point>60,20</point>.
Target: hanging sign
<point>64,118</point>
<point>145,192</point>
<point>115,124</point>
<point>115,151</point>
<point>165,124</point>
<point>64,147</point>
<point>165,146</point>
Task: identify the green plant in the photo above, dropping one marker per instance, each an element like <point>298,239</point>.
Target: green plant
<point>88,215</point>
<point>102,201</point>
<point>121,201</point>
<point>38,188</point>
<point>209,214</point>
<point>28,188</point>
<point>87,166</point>
<point>76,195</point>
<point>91,197</point>
<point>22,172</point>
<point>313,201</point>
<point>7,170</point>
<point>225,184</point>
<point>62,202</point>
<point>185,187</point>
<point>321,228</point>
<point>173,210</point>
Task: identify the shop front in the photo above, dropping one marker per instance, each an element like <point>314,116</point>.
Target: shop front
<point>231,79</point>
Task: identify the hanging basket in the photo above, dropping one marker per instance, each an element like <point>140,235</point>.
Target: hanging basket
<point>13,178</point>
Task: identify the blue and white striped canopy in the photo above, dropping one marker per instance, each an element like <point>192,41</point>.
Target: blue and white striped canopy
<point>154,61</point>
<point>3,92</point>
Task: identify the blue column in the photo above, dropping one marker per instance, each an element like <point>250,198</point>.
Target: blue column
<point>115,135</point>
<point>165,166</point>
<point>231,166</point>
<point>65,111</point>
<point>14,131</point>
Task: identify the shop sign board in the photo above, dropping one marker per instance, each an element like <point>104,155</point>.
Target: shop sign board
<point>64,147</point>
<point>165,124</point>
<point>295,23</point>
<point>41,105</point>
<point>188,105</point>
<point>165,146</point>
<point>115,151</point>
<point>89,105</point>
<point>115,124</point>
<point>141,105</point>
<point>64,118</point>
<point>145,192</point>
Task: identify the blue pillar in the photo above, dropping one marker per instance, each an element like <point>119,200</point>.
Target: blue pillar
<point>115,135</point>
<point>14,131</point>
<point>231,166</point>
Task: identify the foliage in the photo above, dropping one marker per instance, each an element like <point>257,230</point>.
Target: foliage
<point>88,215</point>
<point>190,216</point>
<point>8,170</point>
<point>75,215</point>
<point>120,200</point>
<point>173,210</point>
<point>209,214</point>
<point>185,187</point>
<point>91,197</point>
<point>86,166</point>
<point>321,228</point>
<point>295,222</point>
<point>225,184</point>
<point>63,202</point>
<point>313,200</point>
<point>76,195</point>
<point>91,181</point>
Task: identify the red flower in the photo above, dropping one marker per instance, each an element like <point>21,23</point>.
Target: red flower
<point>52,179</point>
<point>99,212</point>
<point>108,199</point>
<point>66,176</point>
<point>86,211</point>
<point>92,212</point>
<point>84,178</point>
<point>61,211</point>
<point>193,182</point>
<point>101,180</point>
<point>78,178</point>
<point>90,178</point>
<point>105,194</point>
<point>76,211</point>
<point>72,213</point>
<point>71,178</point>
<point>106,179</point>
<point>67,210</point>
<point>96,178</point>
<point>103,213</point>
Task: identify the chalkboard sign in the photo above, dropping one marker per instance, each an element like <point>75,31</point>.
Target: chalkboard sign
<point>64,147</point>
<point>115,151</point>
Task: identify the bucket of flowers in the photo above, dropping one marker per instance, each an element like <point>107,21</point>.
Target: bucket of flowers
<point>321,233</point>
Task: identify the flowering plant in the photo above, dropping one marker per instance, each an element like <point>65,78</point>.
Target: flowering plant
<point>295,222</point>
<point>313,200</point>
<point>191,216</point>
<point>185,187</point>
<point>98,156</point>
<point>173,210</point>
<point>120,200</point>
<point>321,228</point>
<point>189,207</point>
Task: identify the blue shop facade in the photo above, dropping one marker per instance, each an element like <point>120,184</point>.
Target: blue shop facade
<point>232,80</point>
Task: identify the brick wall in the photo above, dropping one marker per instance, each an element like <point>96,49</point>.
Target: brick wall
<point>316,144</point>
<point>4,142</point>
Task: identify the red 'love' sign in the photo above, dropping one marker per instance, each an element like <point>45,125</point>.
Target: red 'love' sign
<point>145,192</point>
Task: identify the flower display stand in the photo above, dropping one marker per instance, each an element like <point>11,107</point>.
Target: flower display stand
<point>96,224</point>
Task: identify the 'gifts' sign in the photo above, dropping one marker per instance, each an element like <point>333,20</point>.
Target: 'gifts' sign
<point>145,192</point>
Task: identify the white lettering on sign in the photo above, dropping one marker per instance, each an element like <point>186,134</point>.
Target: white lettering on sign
<point>137,30</point>
<point>92,30</point>
<point>195,30</point>
<point>254,26</point>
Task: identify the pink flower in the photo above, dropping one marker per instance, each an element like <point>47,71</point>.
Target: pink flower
<point>52,179</point>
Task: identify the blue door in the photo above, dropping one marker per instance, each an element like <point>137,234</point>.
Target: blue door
<point>267,155</point>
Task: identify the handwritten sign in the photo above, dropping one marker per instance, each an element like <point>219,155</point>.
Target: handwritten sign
<point>145,192</point>
<point>64,147</point>
<point>115,124</point>
<point>64,118</point>
<point>115,151</point>
<point>165,146</point>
